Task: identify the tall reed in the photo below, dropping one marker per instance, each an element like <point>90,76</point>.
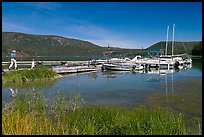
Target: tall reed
<point>35,115</point>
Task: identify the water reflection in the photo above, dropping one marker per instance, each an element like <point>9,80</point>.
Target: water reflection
<point>122,87</point>
<point>183,90</point>
<point>197,63</point>
<point>32,84</point>
<point>110,76</point>
<point>179,89</point>
<point>13,92</point>
<point>93,76</point>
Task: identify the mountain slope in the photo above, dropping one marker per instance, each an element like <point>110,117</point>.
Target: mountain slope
<point>45,44</point>
<point>179,47</point>
<point>50,45</point>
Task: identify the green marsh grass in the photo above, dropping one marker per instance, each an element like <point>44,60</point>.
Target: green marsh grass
<point>22,76</point>
<point>34,115</point>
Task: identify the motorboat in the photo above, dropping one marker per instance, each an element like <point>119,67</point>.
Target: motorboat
<point>122,66</point>
<point>116,67</point>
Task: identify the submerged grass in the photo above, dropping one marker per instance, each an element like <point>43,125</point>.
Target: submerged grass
<point>34,115</point>
<point>22,76</point>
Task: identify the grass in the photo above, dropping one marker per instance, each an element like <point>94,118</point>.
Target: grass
<point>23,76</point>
<point>35,115</point>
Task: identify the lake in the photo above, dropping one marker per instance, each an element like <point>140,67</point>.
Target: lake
<point>180,90</point>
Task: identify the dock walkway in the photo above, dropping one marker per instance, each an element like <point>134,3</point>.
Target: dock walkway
<point>44,62</point>
<point>75,69</point>
<point>61,69</point>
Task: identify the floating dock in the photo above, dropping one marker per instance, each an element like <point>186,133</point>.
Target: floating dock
<point>75,69</point>
<point>45,63</point>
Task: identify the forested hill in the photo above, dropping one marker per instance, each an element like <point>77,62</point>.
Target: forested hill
<point>179,47</point>
<point>50,45</point>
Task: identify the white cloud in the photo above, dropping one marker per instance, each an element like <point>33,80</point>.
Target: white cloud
<point>103,37</point>
<point>121,43</point>
<point>94,34</point>
<point>44,5</point>
<point>6,26</point>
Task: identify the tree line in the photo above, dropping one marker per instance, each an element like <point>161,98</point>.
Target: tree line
<point>197,49</point>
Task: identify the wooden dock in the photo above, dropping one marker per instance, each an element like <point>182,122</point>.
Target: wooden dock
<point>46,63</point>
<point>59,67</point>
<point>75,69</point>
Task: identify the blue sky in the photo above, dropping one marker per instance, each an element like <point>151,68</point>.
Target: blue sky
<point>118,24</point>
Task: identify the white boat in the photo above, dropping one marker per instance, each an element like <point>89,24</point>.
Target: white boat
<point>122,66</point>
<point>176,60</point>
<point>167,61</point>
<point>116,67</point>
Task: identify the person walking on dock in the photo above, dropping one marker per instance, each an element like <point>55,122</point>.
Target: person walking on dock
<point>13,60</point>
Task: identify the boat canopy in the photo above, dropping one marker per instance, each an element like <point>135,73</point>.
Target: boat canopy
<point>154,51</point>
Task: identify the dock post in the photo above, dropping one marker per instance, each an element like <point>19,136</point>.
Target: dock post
<point>149,67</point>
<point>157,66</point>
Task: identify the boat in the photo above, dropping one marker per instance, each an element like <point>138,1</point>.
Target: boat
<point>165,61</point>
<point>176,60</point>
<point>122,66</point>
<point>116,67</point>
<point>118,64</point>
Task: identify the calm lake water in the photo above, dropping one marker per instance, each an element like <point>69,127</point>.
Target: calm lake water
<point>180,90</point>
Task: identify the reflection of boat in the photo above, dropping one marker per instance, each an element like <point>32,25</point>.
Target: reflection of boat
<point>159,74</point>
<point>164,71</point>
<point>13,92</point>
<point>139,71</point>
<point>110,76</point>
<point>160,71</point>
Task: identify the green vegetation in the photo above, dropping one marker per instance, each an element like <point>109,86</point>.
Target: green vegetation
<point>197,49</point>
<point>36,115</point>
<point>22,76</point>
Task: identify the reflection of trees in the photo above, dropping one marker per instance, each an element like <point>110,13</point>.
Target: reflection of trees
<point>32,84</point>
<point>13,92</point>
<point>197,63</point>
<point>187,97</point>
<point>93,76</point>
<point>197,49</point>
